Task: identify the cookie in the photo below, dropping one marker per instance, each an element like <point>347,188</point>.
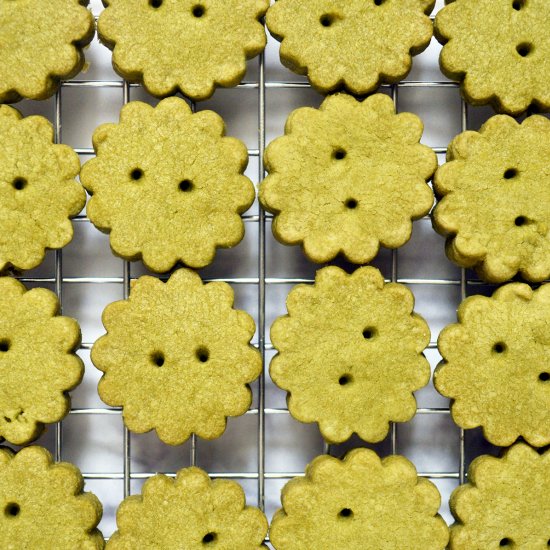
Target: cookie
<point>498,50</point>
<point>39,47</point>
<point>38,364</point>
<point>177,358</point>
<point>38,193</point>
<point>357,503</point>
<point>495,199</point>
<point>42,505</point>
<point>350,44</point>
<point>496,365</point>
<point>167,186</point>
<point>191,512</point>
<point>190,46</point>
<point>505,503</point>
<point>347,178</point>
<point>350,354</point>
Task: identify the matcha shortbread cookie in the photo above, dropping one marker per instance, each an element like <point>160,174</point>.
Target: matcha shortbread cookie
<point>498,50</point>
<point>38,365</point>
<point>42,505</point>
<point>350,353</point>
<point>167,185</point>
<point>191,46</point>
<point>357,503</point>
<point>347,178</point>
<point>495,199</point>
<point>40,44</point>
<point>38,193</point>
<point>505,503</point>
<point>177,357</point>
<point>189,512</point>
<point>350,44</point>
<point>496,365</point>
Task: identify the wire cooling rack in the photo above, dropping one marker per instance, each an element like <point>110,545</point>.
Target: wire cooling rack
<point>266,447</point>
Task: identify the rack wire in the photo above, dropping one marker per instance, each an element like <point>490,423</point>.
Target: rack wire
<point>261,282</point>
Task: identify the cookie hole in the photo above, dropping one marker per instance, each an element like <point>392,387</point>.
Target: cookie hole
<point>369,333</point>
<point>326,20</point>
<point>158,358</point>
<point>524,49</point>
<point>520,220</point>
<point>12,510</point>
<point>5,345</point>
<point>351,204</point>
<point>186,186</point>
<point>339,154</point>
<point>155,3</point>
<point>505,542</point>
<point>510,174</point>
<point>544,376</point>
<point>202,355</point>
<point>378,2</point>
<point>209,538</point>
<point>7,419</point>
<point>19,183</point>
<point>518,4</point>
<point>345,513</point>
<point>136,174</point>
<point>499,347</point>
<point>345,380</point>
<point>198,11</point>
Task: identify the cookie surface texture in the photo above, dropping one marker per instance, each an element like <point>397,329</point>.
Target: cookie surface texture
<point>495,199</point>
<point>505,503</point>
<point>350,44</point>
<point>359,502</point>
<point>496,365</point>
<point>347,178</point>
<point>38,365</point>
<point>191,512</point>
<point>498,50</point>
<point>38,193</point>
<point>350,354</point>
<point>40,44</point>
<point>42,505</point>
<point>177,358</point>
<point>167,185</point>
<point>191,46</point>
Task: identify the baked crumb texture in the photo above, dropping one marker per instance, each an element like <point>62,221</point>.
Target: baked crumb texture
<point>359,502</point>
<point>495,199</point>
<point>40,45</point>
<point>499,50</point>
<point>187,46</point>
<point>350,353</point>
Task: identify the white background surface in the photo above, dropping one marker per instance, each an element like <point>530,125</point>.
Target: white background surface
<point>95,442</point>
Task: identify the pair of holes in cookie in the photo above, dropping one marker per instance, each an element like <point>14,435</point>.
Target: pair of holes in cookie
<point>500,348</point>
<point>158,359</point>
<point>209,538</point>
<point>184,186</point>
<point>197,10</point>
<point>12,510</point>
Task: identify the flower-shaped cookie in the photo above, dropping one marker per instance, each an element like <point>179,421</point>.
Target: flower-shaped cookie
<point>496,365</point>
<point>39,46</point>
<point>38,365</point>
<point>357,503</point>
<point>42,505</point>
<point>498,50</point>
<point>495,207</point>
<point>190,46</point>
<point>347,178</point>
<point>167,185</point>
<point>190,512</point>
<point>350,353</point>
<point>177,358</point>
<point>351,44</point>
<point>38,193</point>
<point>505,503</point>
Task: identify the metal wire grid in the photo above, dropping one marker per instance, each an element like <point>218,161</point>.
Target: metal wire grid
<point>261,282</point>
